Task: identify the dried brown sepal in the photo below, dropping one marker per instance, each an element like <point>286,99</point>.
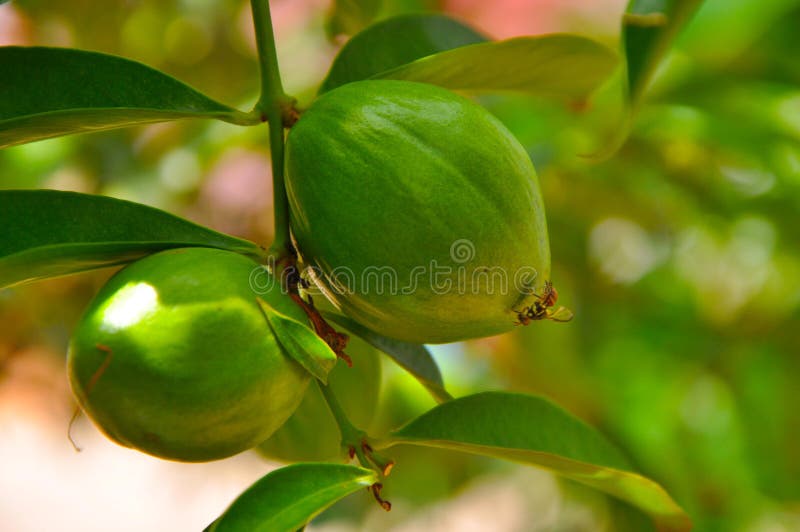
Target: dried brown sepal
<point>336,340</point>
<point>376,492</point>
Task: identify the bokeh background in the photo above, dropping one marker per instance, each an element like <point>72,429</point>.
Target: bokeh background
<point>679,256</point>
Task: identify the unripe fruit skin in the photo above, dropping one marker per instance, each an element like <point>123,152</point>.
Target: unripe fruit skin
<point>395,174</point>
<point>175,358</point>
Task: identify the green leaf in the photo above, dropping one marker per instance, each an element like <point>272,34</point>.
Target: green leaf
<point>567,66</point>
<point>648,29</point>
<point>48,233</point>
<point>347,17</point>
<point>301,343</point>
<point>534,431</point>
<point>288,498</point>
<point>414,358</point>
<point>48,92</point>
<point>395,42</point>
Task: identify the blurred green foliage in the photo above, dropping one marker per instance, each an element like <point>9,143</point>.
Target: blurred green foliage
<point>679,255</point>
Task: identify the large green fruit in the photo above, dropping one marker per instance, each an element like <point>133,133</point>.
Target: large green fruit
<point>419,212</point>
<point>174,357</point>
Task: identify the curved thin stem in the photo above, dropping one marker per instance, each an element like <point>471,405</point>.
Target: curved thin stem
<point>356,440</point>
<point>280,248</point>
<point>351,435</point>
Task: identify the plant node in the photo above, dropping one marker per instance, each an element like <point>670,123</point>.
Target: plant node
<point>290,114</point>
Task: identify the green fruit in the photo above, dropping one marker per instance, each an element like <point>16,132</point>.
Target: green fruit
<point>419,212</point>
<point>175,358</point>
<point>311,433</point>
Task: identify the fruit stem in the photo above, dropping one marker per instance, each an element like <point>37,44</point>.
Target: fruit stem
<point>356,442</point>
<point>351,435</point>
<point>280,249</point>
<point>278,109</point>
<point>354,439</point>
<point>272,95</point>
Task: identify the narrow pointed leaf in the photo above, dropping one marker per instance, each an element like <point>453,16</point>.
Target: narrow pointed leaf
<point>648,29</point>
<point>414,358</point>
<point>395,42</point>
<point>288,498</point>
<point>565,66</point>
<point>534,431</point>
<point>301,343</point>
<point>48,92</point>
<point>48,233</point>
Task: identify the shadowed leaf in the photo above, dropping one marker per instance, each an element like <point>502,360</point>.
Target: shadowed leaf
<point>414,358</point>
<point>395,42</point>
<point>288,498</point>
<point>648,29</point>
<point>534,431</point>
<point>48,92</point>
<point>48,233</point>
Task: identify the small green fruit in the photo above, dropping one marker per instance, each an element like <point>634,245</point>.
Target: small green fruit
<point>419,212</point>
<point>175,358</point>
